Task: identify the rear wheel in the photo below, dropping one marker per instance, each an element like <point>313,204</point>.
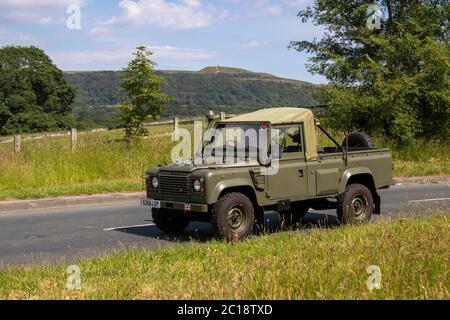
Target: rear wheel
<point>292,218</point>
<point>169,221</point>
<point>355,205</point>
<point>233,217</point>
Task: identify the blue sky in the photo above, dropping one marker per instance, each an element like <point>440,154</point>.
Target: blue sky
<point>184,34</point>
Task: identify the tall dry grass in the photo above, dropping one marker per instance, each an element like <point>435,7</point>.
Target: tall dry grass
<point>100,163</point>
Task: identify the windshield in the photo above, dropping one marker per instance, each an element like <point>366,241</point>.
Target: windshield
<point>237,142</point>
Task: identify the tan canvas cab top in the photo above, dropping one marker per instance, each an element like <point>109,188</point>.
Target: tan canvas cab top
<point>285,116</point>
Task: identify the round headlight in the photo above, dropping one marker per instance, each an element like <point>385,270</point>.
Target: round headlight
<point>197,186</point>
<point>155,182</point>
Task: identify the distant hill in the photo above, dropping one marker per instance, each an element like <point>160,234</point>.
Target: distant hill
<point>228,70</point>
<point>212,88</point>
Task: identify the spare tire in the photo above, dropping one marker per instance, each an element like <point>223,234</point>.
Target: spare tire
<point>358,140</point>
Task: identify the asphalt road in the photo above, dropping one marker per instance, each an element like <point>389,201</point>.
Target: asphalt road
<point>48,236</point>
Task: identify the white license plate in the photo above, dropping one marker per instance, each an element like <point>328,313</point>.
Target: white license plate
<point>150,203</point>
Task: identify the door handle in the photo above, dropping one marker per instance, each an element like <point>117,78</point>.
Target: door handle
<point>300,172</point>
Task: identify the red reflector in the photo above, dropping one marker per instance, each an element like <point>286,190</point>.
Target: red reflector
<point>265,126</point>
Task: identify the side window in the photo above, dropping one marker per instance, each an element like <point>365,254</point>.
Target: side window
<point>290,139</point>
<point>294,141</point>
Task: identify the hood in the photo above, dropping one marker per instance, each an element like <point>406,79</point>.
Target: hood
<point>189,166</point>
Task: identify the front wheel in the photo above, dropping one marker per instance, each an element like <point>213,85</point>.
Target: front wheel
<point>169,222</point>
<point>355,205</point>
<point>233,217</point>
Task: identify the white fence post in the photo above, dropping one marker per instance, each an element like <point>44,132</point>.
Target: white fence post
<point>74,137</point>
<point>17,143</point>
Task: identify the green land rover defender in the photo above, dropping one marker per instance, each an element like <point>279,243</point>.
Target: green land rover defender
<point>235,196</point>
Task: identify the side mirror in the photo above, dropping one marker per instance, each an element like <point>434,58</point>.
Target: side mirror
<point>210,116</point>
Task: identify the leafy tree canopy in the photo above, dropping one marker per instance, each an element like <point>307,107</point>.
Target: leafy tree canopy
<point>143,98</point>
<point>391,78</point>
<point>34,95</point>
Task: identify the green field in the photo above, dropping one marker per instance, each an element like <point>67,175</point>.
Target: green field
<point>412,255</point>
<point>102,163</point>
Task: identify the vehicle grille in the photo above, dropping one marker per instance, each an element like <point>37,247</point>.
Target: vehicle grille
<point>174,185</point>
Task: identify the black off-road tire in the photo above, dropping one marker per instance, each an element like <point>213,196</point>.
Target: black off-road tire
<point>261,225</point>
<point>169,221</point>
<point>224,213</point>
<point>355,206</point>
<point>358,140</point>
<point>292,218</point>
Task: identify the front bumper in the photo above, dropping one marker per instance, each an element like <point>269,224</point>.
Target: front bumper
<point>181,206</point>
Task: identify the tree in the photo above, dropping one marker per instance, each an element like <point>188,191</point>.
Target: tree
<point>34,96</point>
<point>143,99</point>
<point>392,79</point>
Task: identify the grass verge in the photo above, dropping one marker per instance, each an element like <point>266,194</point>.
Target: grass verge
<point>412,254</point>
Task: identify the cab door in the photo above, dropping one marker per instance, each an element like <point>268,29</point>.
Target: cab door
<point>291,180</point>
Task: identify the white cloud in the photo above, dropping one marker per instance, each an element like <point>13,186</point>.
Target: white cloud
<point>36,11</point>
<point>255,44</point>
<point>298,3</point>
<point>11,37</point>
<point>99,31</point>
<point>266,8</point>
<point>85,59</point>
<point>269,10</point>
<point>183,14</point>
<point>170,54</point>
<point>262,8</point>
<point>26,4</point>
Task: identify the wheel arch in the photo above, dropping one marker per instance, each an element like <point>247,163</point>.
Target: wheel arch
<point>364,177</point>
<point>357,175</point>
<point>246,190</point>
<point>235,185</point>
